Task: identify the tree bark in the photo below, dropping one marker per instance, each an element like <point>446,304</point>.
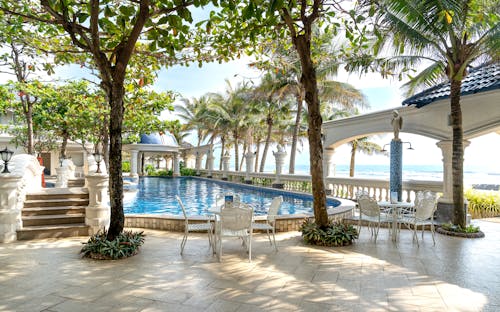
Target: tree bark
<point>222,150</point>
<point>295,135</point>
<point>353,159</point>
<point>236,152</point>
<point>309,82</point>
<point>457,159</point>
<point>266,145</point>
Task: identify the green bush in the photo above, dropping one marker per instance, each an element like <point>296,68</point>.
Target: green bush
<point>125,245</point>
<point>126,166</point>
<point>335,234</point>
<point>457,228</point>
<point>188,172</point>
<point>483,204</point>
<point>150,169</point>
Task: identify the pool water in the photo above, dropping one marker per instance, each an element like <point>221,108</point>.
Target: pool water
<point>156,195</point>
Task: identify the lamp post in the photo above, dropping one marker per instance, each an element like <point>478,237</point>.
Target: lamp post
<point>6,155</point>
<point>98,159</point>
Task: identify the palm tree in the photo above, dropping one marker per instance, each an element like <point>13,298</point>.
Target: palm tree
<point>449,37</point>
<point>364,146</point>
<point>287,64</point>
<point>231,110</point>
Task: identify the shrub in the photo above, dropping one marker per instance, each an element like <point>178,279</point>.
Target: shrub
<point>188,172</point>
<point>126,166</point>
<point>483,204</point>
<point>335,234</point>
<point>150,169</point>
<point>457,228</point>
<point>125,245</point>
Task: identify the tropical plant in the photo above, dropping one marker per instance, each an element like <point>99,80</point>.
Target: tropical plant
<point>447,37</point>
<point>125,245</point>
<point>362,145</point>
<point>483,204</point>
<point>335,234</point>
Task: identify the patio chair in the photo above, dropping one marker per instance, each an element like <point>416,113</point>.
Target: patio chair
<point>235,222</point>
<point>423,215</point>
<point>369,211</point>
<point>194,227</point>
<point>270,224</point>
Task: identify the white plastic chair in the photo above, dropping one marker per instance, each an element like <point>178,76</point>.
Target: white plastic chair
<point>193,227</point>
<point>425,207</point>
<point>235,222</point>
<point>270,224</point>
<point>369,211</point>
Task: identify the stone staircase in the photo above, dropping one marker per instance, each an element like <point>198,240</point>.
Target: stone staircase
<point>54,213</point>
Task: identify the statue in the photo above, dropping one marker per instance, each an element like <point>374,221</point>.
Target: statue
<point>397,124</point>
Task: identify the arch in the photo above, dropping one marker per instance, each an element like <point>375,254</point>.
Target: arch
<point>480,111</point>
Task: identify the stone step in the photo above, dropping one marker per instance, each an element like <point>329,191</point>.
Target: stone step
<point>54,231</point>
<point>59,202</point>
<point>79,182</point>
<point>66,210</point>
<point>56,195</point>
<point>43,220</point>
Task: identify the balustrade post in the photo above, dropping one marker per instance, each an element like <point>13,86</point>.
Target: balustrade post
<point>279,156</point>
<point>10,210</point>
<point>249,157</point>
<point>225,165</point>
<point>62,177</point>
<point>97,213</point>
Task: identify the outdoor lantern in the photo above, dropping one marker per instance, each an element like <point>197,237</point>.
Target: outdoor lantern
<point>98,159</point>
<point>6,156</point>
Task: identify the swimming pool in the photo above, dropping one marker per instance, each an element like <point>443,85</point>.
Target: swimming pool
<point>156,195</point>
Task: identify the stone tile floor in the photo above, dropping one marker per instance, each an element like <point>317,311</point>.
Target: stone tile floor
<point>454,275</point>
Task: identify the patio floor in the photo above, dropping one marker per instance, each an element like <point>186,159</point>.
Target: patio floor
<point>455,275</point>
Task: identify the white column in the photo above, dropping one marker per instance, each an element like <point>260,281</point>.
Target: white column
<point>447,150</point>
<point>249,157</point>
<point>10,212</point>
<point>328,162</point>
<point>210,162</point>
<point>225,165</point>
<point>198,162</point>
<point>279,156</point>
<point>177,170</point>
<point>133,163</point>
<point>97,213</point>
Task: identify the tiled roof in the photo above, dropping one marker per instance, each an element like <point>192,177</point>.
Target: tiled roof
<point>479,79</point>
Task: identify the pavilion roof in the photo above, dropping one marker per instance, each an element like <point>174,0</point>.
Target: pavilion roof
<point>479,79</point>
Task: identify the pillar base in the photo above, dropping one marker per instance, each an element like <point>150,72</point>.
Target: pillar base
<point>278,185</point>
<point>445,212</point>
<point>8,237</point>
<point>248,182</point>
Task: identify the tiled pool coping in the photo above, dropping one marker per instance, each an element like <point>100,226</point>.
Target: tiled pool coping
<point>284,223</point>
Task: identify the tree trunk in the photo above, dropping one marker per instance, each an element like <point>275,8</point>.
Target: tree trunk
<point>266,145</point>
<point>64,144</point>
<point>222,150</point>
<point>309,82</point>
<point>353,159</point>
<point>295,135</point>
<point>115,160</point>
<point>236,153</point>
<point>457,159</point>
<point>257,155</point>
<point>245,147</point>
<point>29,124</point>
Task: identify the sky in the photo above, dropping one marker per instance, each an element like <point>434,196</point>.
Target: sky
<point>192,81</point>
<point>381,94</point>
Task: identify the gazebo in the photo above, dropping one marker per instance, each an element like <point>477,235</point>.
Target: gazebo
<point>162,144</point>
<point>427,114</point>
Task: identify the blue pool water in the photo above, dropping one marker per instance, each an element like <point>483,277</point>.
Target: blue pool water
<point>156,195</point>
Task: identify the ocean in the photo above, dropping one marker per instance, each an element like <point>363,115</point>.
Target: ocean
<point>472,175</point>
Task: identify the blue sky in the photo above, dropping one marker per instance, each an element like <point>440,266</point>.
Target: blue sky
<point>381,94</point>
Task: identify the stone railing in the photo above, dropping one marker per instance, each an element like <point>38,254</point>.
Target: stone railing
<point>349,187</point>
<point>335,186</point>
